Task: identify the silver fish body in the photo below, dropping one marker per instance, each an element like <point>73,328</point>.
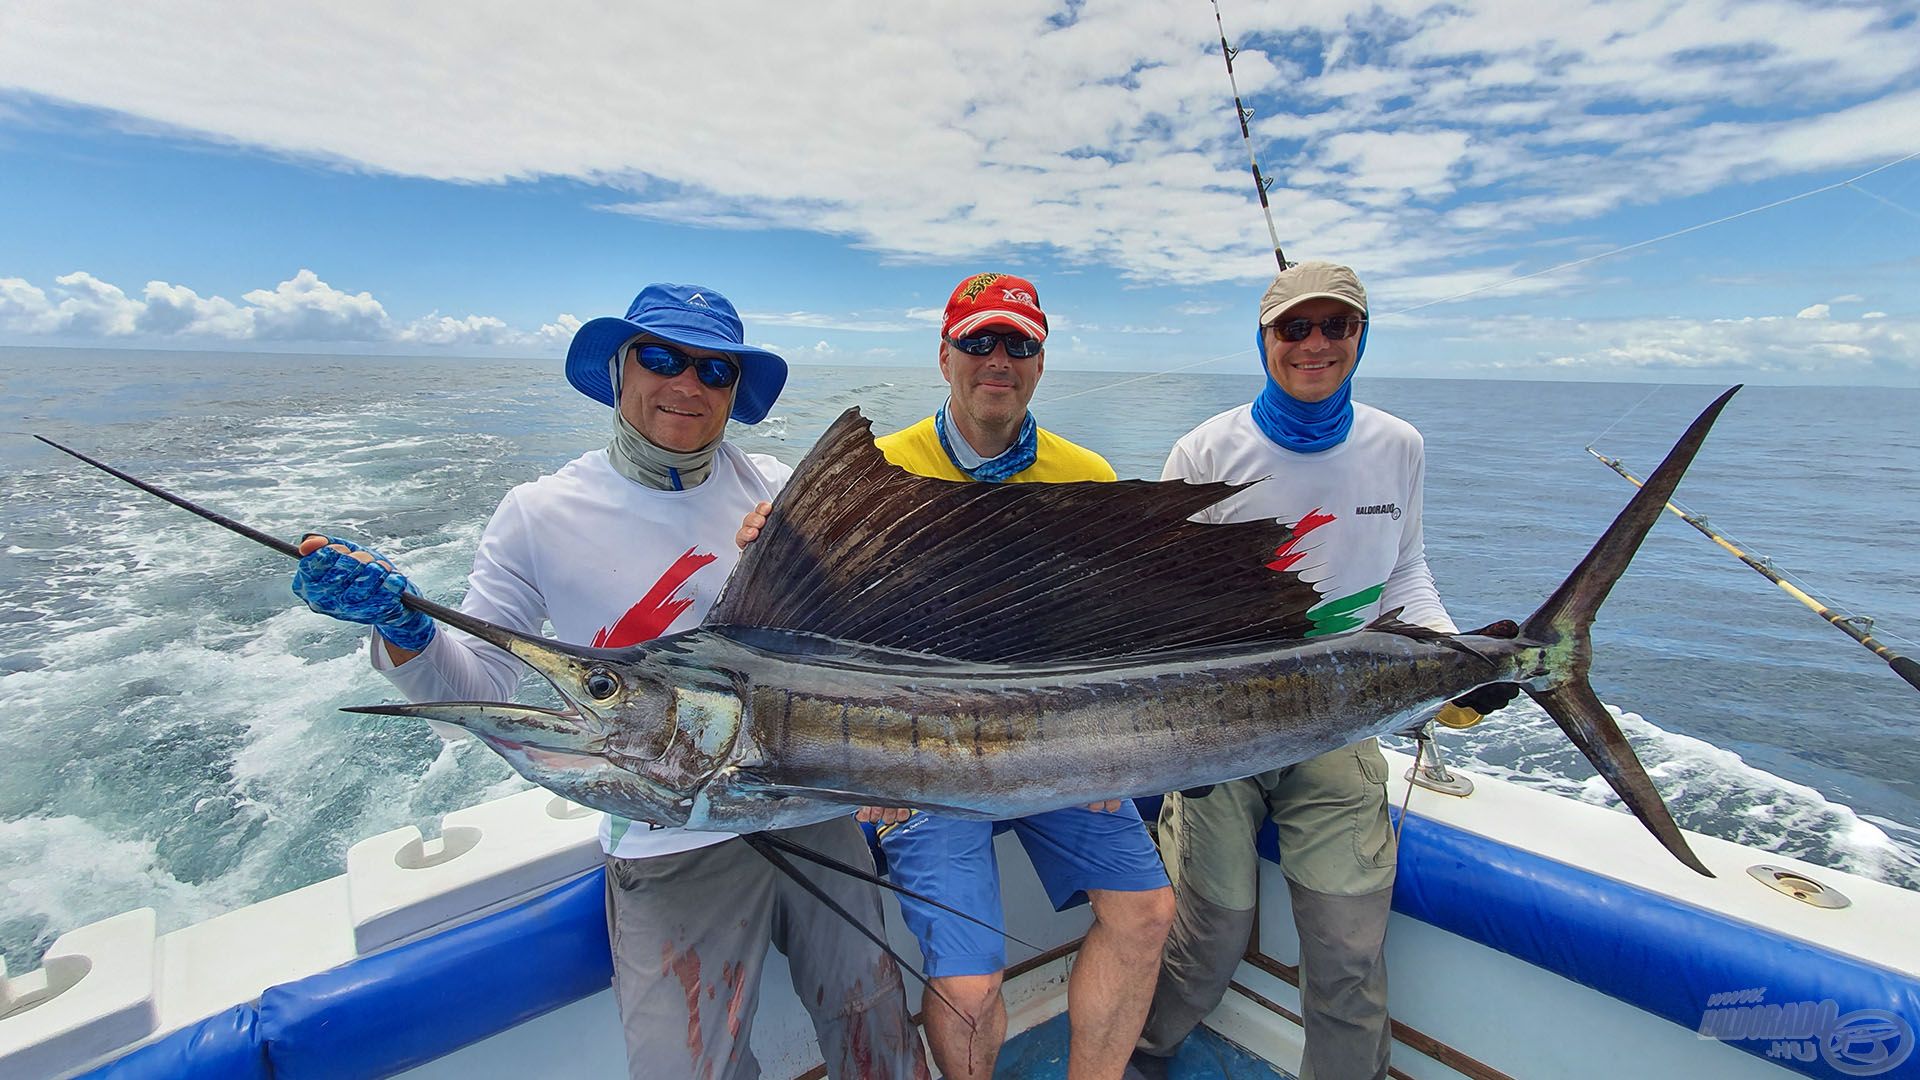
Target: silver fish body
<point>818,725</point>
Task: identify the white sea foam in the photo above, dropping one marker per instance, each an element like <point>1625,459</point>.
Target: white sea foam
<point>61,871</point>
<point>1710,789</point>
<point>175,742</point>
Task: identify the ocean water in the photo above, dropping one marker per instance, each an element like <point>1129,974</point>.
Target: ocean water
<point>168,727</point>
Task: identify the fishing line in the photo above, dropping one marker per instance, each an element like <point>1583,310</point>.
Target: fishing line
<point>1142,378</point>
<point>1883,199</point>
<point>1263,183</point>
<point>1596,439</point>
<point>1865,622</point>
<point>1857,627</point>
<point>1849,182</point>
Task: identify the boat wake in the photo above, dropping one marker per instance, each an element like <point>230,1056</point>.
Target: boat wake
<point>1710,790</point>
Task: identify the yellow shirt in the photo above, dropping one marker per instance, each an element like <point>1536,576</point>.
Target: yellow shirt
<point>917,449</point>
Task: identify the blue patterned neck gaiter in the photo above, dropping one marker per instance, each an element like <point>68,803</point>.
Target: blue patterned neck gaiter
<point>994,470</point>
<point>1305,427</point>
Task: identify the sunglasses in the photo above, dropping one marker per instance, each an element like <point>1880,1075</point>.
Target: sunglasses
<point>1019,346</point>
<point>715,371</point>
<point>1336,327</point>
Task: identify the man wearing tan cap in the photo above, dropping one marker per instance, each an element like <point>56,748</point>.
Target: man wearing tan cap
<point>991,354</point>
<point>1348,479</point>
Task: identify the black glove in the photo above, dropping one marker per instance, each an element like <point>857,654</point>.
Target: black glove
<point>1489,699</point>
<point>1473,706</point>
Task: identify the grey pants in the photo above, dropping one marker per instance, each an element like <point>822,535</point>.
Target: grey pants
<point>690,933</point>
<point>1337,850</point>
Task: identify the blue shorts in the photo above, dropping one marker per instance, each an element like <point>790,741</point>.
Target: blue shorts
<point>951,860</point>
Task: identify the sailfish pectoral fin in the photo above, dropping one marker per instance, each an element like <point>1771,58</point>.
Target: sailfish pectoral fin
<point>1578,711</point>
<point>760,843</point>
<point>831,863</point>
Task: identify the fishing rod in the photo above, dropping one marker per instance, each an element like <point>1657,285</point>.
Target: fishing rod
<point>1857,627</point>
<point>1260,183</point>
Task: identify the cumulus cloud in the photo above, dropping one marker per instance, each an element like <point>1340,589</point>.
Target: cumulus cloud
<point>94,308</point>
<point>1784,347</point>
<point>437,329</point>
<point>1407,136</point>
<point>176,309</point>
<point>559,332</point>
<point>302,309</point>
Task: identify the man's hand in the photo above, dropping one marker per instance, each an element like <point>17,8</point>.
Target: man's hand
<point>750,527</point>
<point>1107,807</point>
<point>1475,705</point>
<point>356,584</point>
<point>879,815</point>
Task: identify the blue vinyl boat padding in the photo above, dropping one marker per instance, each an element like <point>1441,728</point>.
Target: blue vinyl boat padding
<point>225,1046</point>
<point>1659,954</point>
<point>397,1009</point>
<point>384,1013</point>
<point>1652,951</point>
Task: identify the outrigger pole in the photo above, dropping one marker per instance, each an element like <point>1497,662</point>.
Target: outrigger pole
<point>1260,183</point>
<point>1857,627</point>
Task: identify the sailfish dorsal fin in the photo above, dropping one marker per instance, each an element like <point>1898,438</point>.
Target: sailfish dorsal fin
<point>859,549</point>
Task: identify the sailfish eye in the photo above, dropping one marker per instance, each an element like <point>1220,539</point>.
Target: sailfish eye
<point>602,684</point>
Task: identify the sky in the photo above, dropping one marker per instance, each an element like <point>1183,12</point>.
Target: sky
<point>479,179</point>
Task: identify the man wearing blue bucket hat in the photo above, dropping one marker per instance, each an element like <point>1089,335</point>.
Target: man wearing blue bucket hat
<point>623,544</point>
<point>1348,478</point>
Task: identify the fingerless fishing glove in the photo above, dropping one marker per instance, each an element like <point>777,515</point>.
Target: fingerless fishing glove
<point>337,584</point>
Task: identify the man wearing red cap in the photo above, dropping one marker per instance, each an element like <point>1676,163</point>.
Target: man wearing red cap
<point>625,543</point>
<point>992,354</point>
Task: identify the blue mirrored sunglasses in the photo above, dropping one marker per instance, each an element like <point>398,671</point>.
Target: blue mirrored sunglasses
<point>715,371</point>
<point>1019,346</point>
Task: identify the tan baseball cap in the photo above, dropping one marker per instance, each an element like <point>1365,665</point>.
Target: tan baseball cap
<point>1310,281</point>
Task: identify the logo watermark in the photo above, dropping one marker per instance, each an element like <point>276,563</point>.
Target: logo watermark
<point>1865,1042</point>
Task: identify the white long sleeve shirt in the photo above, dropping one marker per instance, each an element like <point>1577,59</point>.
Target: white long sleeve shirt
<point>607,562</point>
<point>1355,509</point>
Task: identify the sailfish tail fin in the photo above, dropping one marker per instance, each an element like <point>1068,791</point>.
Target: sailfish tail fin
<point>1563,628</point>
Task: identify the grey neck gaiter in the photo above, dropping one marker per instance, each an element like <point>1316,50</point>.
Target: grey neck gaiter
<point>640,461</point>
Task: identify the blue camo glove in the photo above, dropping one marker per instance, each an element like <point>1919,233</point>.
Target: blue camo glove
<point>337,584</point>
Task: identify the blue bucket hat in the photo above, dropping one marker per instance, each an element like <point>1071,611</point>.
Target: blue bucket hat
<point>689,315</point>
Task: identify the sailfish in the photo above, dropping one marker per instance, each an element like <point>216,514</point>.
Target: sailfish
<point>998,650</point>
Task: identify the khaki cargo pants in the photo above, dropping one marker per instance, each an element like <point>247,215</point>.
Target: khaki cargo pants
<point>1337,851</point>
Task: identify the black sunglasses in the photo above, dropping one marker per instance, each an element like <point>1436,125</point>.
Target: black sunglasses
<point>1336,327</point>
<point>1019,346</point>
<point>715,371</point>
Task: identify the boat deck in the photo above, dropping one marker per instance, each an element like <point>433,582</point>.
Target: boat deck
<point>1040,1053</point>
